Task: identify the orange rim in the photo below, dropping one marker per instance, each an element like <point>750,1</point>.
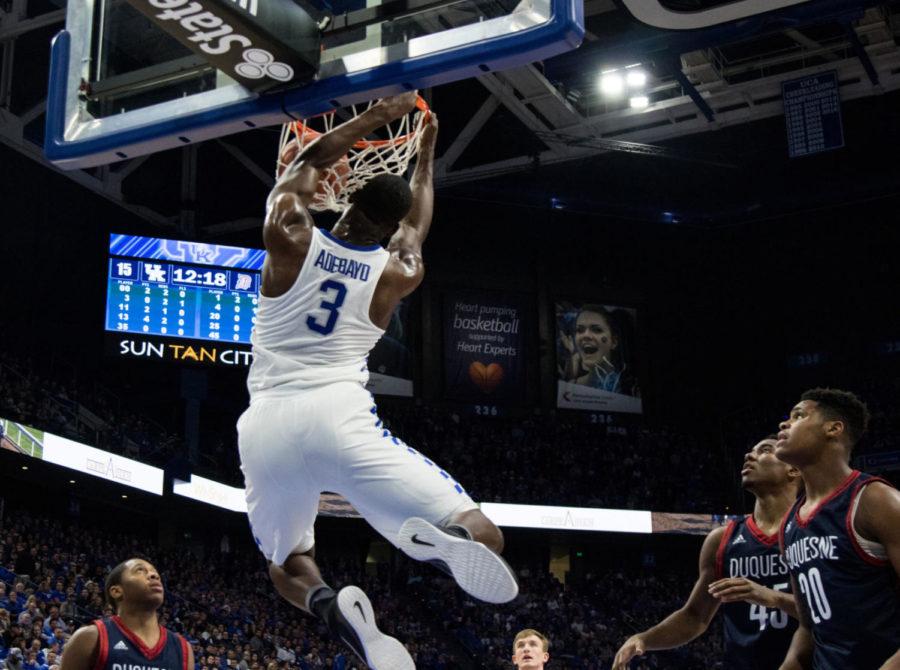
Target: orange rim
<point>301,128</point>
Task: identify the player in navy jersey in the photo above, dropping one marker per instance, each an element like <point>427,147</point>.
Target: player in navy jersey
<point>132,639</point>
<point>741,571</point>
<point>841,541</point>
<point>325,301</point>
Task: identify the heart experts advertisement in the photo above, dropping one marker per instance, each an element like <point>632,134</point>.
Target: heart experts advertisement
<point>484,357</point>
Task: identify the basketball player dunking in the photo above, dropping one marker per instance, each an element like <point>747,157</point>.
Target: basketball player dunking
<point>311,426</point>
<point>741,569</point>
<point>841,541</point>
<point>133,637</point>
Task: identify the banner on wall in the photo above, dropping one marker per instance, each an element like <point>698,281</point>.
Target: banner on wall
<point>484,357</point>
<point>390,362</point>
<point>82,458</point>
<point>595,354</point>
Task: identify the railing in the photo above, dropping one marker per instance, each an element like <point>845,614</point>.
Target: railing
<point>84,423</point>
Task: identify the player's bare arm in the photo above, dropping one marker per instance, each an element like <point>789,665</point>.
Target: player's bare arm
<point>800,654</point>
<point>734,589</point>
<point>81,649</point>
<point>406,268</point>
<point>878,519</point>
<point>288,223</point>
<point>685,624</point>
<point>406,244</point>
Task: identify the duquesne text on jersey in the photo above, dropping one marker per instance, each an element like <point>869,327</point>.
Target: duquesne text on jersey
<point>345,266</point>
<point>811,548</point>
<point>756,567</point>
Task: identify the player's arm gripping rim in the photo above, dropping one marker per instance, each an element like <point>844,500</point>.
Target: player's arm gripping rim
<point>406,243</point>
<point>878,519</point>
<point>288,222</point>
<point>686,624</point>
<point>733,589</point>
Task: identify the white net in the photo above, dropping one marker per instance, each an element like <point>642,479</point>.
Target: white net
<point>389,153</point>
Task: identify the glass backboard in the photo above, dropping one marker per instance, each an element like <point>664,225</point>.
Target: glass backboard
<point>120,86</point>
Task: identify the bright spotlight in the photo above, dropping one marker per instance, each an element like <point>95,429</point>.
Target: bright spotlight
<point>639,102</point>
<point>612,84</point>
<point>636,79</point>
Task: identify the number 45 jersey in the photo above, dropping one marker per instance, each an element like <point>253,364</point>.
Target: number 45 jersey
<point>319,331</point>
<point>756,637</point>
<point>847,587</point>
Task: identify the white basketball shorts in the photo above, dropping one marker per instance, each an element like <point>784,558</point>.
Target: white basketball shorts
<point>331,439</point>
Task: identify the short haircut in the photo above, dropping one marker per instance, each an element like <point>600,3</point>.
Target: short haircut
<point>528,632</point>
<point>384,199</point>
<point>842,406</point>
<point>114,578</point>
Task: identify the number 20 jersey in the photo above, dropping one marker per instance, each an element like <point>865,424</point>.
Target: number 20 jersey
<point>319,331</point>
<point>849,596</point>
<point>756,638</point>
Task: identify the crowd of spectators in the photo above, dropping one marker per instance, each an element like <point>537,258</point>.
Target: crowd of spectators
<point>580,463</point>
<point>81,413</point>
<point>51,577</point>
<point>558,459</point>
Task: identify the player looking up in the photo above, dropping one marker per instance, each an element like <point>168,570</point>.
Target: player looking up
<point>132,638</point>
<point>841,541</point>
<point>530,650</point>
<point>741,571</point>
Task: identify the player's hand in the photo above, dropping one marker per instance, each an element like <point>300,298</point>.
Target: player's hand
<point>734,589</point>
<point>633,647</point>
<point>429,131</point>
<point>396,106</point>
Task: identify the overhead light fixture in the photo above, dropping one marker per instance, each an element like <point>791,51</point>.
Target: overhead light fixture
<point>636,79</point>
<point>124,496</point>
<point>71,481</point>
<point>639,102</point>
<point>612,84</point>
<point>24,467</point>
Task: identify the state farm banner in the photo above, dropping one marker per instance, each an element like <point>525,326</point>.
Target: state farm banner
<point>484,357</point>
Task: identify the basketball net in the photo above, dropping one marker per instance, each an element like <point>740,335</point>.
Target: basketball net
<point>390,153</point>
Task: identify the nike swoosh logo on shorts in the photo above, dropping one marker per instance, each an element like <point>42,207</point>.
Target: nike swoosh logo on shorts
<point>415,540</point>
<point>359,607</point>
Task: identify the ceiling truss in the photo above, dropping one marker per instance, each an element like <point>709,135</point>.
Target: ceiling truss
<point>867,63</point>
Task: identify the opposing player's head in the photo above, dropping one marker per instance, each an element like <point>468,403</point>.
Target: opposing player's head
<point>377,208</point>
<point>530,650</point>
<point>764,472</point>
<point>134,583</point>
<point>826,422</point>
<point>594,336</point>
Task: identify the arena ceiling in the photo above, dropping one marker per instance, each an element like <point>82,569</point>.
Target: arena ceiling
<point>708,145</point>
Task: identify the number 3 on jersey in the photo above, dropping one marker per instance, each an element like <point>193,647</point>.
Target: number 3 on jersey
<point>335,292</point>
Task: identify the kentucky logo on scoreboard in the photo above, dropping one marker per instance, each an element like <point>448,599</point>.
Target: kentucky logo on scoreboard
<point>137,246</point>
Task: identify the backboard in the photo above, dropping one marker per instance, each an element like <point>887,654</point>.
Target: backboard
<point>121,86</point>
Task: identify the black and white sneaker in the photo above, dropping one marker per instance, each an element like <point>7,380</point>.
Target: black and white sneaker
<point>353,620</point>
<point>479,571</point>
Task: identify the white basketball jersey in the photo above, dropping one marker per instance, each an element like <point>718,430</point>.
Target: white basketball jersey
<point>319,332</point>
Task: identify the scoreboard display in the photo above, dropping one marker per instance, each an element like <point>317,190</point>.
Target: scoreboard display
<point>195,304</point>
<point>188,301</point>
<point>161,291</point>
